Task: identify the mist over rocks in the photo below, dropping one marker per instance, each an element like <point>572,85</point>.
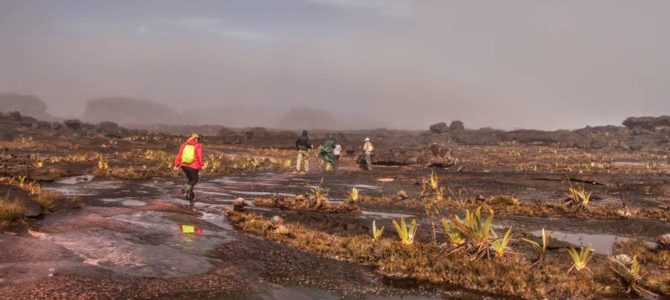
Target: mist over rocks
<point>128,111</point>
<point>27,105</point>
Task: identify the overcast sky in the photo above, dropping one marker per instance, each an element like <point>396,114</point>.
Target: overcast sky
<point>506,64</point>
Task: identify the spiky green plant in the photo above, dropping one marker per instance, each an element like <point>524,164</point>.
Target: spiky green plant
<point>477,234</point>
<point>434,181</point>
<point>578,197</point>
<point>452,233</point>
<point>103,164</point>
<point>320,194</point>
<point>663,242</point>
<point>376,232</point>
<point>628,271</point>
<point>353,194</point>
<point>500,246</point>
<point>539,249</point>
<point>580,258</point>
<point>406,233</point>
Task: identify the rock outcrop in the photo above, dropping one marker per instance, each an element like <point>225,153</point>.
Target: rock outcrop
<point>435,155</point>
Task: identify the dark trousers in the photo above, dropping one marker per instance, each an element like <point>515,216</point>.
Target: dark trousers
<point>193,177</point>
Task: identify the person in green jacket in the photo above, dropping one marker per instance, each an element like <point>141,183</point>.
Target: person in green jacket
<point>326,153</point>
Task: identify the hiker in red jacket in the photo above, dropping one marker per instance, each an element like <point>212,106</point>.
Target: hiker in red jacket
<point>189,159</point>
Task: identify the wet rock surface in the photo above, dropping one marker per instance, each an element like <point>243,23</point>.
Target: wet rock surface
<point>139,251</point>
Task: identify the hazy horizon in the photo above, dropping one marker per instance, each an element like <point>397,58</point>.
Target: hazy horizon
<point>400,64</point>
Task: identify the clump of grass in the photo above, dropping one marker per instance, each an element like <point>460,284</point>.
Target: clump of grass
<point>580,258</point>
<point>422,263</point>
<point>213,163</point>
<point>10,211</point>
<point>47,200</point>
<point>405,233</point>
<point>376,232</point>
<point>539,249</point>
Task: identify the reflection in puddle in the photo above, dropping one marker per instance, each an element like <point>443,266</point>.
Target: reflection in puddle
<point>368,187</point>
<point>75,179</point>
<point>225,180</point>
<point>601,243</point>
<point>133,203</point>
<point>120,252</point>
<point>190,229</point>
<point>385,215</point>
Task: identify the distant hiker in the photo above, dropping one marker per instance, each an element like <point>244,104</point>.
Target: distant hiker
<point>303,146</point>
<point>189,159</point>
<point>367,149</point>
<point>337,152</point>
<point>326,153</point>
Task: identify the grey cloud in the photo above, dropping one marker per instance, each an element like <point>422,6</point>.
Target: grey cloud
<point>511,64</point>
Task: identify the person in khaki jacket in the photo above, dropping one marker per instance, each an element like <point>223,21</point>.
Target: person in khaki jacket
<point>303,146</point>
<point>367,149</point>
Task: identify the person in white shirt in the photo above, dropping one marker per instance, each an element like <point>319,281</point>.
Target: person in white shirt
<point>367,149</point>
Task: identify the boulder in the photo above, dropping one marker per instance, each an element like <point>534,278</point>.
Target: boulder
<point>108,127</point>
<point>11,193</point>
<point>439,127</point>
<point>435,155</point>
<point>647,123</point>
<point>456,126</point>
<point>73,124</point>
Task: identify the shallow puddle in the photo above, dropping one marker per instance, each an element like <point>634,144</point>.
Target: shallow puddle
<point>75,179</point>
<point>601,243</point>
<point>385,215</point>
<point>120,252</point>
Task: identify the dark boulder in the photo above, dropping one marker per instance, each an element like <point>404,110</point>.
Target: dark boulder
<point>647,123</point>
<point>439,127</point>
<point>456,126</point>
<point>435,155</point>
<point>73,124</point>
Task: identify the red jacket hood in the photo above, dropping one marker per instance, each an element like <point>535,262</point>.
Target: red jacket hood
<point>191,141</point>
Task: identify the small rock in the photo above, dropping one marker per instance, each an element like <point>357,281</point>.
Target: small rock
<point>276,222</point>
<point>402,195</point>
<point>239,204</point>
